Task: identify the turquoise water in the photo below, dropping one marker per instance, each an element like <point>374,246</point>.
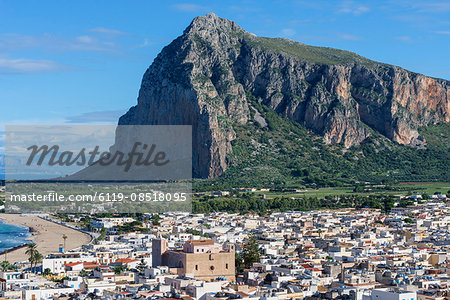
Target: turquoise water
<point>12,235</point>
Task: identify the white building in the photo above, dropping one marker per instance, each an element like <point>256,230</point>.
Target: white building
<point>110,222</point>
<point>46,293</point>
<point>56,262</point>
<point>390,294</point>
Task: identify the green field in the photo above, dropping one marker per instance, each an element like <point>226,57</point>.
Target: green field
<point>428,187</point>
<point>399,189</point>
<point>403,189</point>
<point>360,196</point>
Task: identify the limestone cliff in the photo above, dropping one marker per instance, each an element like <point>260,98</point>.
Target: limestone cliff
<point>209,76</point>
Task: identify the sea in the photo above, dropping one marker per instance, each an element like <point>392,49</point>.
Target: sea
<point>12,236</point>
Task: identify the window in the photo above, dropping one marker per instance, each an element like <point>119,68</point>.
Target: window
<point>196,267</point>
<point>226,266</point>
<point>212,268</point>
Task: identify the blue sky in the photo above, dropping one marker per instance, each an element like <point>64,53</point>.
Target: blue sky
<point>82,61</point>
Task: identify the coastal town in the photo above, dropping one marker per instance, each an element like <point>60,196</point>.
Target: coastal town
<point>324,254</point>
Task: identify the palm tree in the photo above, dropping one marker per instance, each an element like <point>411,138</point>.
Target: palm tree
<point>37,259</point>
<point>31,252</point>
<point>118,270</point>
<point>5,266</point>
<point>64,238</point>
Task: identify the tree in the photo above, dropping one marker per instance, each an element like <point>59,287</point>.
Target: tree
<point>84,273</point>
<point>388,203</point>
<point>38,257</point>
<point>31,252</point>
<point>64,238</point>
<point>409,220</point>
<point>250,253</point>
<point>47,272</point>
<point>118,270</point>
<point>142,266</point>
<point>155,219</point>
<point>5,265</point>
<point>239,263</point>
<point>359,189</point>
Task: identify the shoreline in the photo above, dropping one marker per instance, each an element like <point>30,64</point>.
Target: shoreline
<point>28,239</point>
<point>46,234</point>
<point>13,248</point>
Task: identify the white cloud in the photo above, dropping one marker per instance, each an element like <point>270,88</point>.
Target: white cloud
<point>431,6</point>
<point>21,65</point>
<point>443,32</point>
<point>106,116</point>
<point>85,39</point>
<point>108,31</point>
<point>189,7</point>
<point>14,42</point>
<point>289,32</point>
<point>145,43</point>
<point>350,7</point>
<point>404,38</point>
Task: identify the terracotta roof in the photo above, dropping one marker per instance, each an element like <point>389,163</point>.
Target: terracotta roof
<point>151,293</point>
<point>201,242</point>
<point>126,260</point>
<point>90,265</point>
<point>73,264</point>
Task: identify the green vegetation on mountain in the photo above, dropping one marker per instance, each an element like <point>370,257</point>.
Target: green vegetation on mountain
<point>318,55</point>
<point>285,153</point>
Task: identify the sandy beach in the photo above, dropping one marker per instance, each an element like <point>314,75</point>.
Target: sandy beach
<point>46,234</point>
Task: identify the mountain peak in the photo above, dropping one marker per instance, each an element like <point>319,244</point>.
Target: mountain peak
<point>211,21</point>
<point>211,15</point>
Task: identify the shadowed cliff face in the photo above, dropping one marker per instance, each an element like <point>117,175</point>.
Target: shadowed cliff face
<point>204,78</point>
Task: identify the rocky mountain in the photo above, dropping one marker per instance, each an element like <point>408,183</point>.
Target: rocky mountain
<point>215,75</point>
